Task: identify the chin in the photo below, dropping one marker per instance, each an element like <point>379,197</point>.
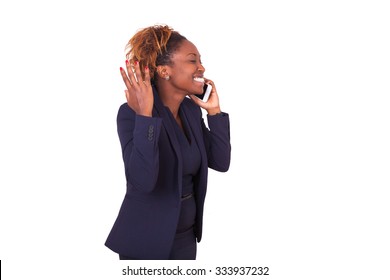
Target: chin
<point>199,89</point>
<point>195,92</point>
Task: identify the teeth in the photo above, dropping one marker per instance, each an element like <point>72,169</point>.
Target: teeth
<point>199,80</point>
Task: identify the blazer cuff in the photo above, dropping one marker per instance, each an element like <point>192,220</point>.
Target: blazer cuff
<point>146,129</point>
<point>219,121</point>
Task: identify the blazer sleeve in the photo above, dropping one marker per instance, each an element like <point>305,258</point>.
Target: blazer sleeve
<point>217,141</point>
<point>139,136</point>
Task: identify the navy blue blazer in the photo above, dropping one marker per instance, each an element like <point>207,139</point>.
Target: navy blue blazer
<point>146,224</point>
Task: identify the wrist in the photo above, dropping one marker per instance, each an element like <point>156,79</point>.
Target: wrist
<point>214,111</point>
<point>146,113</point>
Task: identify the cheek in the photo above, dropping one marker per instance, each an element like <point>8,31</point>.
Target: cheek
<point>184,73</point>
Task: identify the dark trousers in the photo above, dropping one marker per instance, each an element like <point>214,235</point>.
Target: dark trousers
<point>184,247</point>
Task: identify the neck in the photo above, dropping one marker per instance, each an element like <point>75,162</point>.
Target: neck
<point>171,99</point>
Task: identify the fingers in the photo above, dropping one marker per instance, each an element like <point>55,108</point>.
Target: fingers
<point>213,93</point>
<point>130,72</point>
<point>139,90</point>
<point>210,82</point>
<point>147,76</point>
<point>212,104</point>
<point>129,80</point>
<point>135,74</point>
<point>125,78</point>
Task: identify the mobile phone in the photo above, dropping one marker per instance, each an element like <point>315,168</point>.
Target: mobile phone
<point>206,93</point>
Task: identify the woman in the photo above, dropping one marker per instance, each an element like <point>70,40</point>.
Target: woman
<point>166,147</point>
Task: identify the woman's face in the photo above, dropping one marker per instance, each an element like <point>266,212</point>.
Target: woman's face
<point>186,72</point>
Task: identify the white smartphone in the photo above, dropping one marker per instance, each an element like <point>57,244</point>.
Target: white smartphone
<point>206,93</point>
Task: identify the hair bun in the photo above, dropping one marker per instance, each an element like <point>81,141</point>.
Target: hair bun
<point>149,46</point>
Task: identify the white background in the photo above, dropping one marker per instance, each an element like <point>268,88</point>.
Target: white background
<point>306,84</point>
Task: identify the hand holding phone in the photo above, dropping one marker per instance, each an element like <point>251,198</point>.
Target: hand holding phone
<point>206,93</point>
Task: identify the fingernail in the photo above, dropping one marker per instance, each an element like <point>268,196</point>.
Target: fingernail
<point>136,62</point>
<point>127,62</point>
<point>120,68</point>
<point>146,67</point>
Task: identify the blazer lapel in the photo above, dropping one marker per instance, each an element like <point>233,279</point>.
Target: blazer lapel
<point>159,110</point>
<point>196,128</point>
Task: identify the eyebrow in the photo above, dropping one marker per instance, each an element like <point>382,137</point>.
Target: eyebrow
<point>192,54</point>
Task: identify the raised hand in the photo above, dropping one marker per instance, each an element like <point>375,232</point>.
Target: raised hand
<point>139,93</point>
<point>212,104</point>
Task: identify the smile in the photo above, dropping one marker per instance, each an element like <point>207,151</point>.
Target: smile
<point>199,79</point>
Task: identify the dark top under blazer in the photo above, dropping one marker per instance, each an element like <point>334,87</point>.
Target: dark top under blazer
<point>146,224</point>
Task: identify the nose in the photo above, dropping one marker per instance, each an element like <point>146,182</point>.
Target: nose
<point>201,68</point>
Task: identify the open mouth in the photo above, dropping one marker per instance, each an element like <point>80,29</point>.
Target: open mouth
<point>199,79</point>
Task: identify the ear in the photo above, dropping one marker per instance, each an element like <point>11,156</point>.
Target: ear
<point>162,71</point>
